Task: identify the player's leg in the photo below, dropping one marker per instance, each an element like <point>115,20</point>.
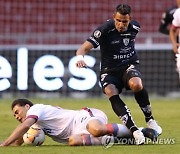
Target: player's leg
<point>98,125</point>
<point>97,128</point>
<point>144,103</point>
<point>101,132</point>
<point>117,130</point>
<point>109,85</point>
<point>141,96</point>
<point>80,135</point>
<point>84,139</point>
<point>88,140</point>
<point>124,113</point>
<point>91,123</point>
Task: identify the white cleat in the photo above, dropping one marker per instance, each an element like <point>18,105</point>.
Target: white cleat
<point>139,137</point>
<point>153,124</point>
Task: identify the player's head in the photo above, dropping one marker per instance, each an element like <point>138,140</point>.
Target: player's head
<point>20,108</point>
<point>122,17</point>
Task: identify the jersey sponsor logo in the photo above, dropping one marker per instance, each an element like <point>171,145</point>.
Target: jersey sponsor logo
<point>125,56</point>
<point>115,42</point>
<point>126,41</point>
<point>97,34</point>
<point>127,34</point>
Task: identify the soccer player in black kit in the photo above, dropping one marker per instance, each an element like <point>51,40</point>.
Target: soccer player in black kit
<point>119,67</point>
<point>166,20</point>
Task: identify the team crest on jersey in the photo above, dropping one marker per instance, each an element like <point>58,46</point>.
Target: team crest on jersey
<point>97,34</point>
<point>126,41</point>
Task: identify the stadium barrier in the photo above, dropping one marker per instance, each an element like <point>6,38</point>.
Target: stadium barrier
<point>37,70</point>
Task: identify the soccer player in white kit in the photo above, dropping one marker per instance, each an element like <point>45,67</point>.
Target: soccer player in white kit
<point>174,34</point>
<point>75,127</point>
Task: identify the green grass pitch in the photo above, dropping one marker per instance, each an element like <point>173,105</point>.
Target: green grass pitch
<point>166,111</point>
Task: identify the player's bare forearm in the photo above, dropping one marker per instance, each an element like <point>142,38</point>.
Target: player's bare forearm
<point>17,142</point>
<point>173,37</point>
<point>81,52</point>
<point>18,133</point>
<point>85,47</point>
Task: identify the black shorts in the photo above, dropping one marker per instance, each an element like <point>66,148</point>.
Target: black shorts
<point>119,77</point>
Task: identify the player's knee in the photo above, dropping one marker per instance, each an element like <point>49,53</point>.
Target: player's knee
<point>136,87</point>
<point>111,90</point>
<point>135,84</point>
<point>97,131</point>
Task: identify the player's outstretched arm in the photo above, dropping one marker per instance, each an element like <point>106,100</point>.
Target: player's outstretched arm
<point>173,37</point>
<point>81,52</point>
<point>14,138</point>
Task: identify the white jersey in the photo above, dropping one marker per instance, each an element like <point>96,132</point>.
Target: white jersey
<point>176,20</point>
<point>176,23</point>
<point>53,120</point>
<point>60,124</point>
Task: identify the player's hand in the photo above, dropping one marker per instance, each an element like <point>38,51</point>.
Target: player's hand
<point>175,49</point>
<point>1,144</point>
<point>80,62</point>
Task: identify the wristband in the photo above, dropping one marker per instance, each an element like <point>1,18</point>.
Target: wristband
<point>79,57</point>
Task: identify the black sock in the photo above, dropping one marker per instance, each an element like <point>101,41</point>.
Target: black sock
<point>123,112</point>
<point>144,103</point>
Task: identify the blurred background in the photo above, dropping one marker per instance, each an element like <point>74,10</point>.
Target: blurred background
<point>39,38</point>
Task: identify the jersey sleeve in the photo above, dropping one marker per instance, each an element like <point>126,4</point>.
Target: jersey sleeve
<point>99,32</point>
<point>136,26</point>
<point>35,112</point>
<point>176,20</point>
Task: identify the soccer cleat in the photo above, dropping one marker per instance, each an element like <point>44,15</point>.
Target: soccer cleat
<point>139,137</point>
<point>153,124</point>
<point>107,141</point>
<point>150,133</point>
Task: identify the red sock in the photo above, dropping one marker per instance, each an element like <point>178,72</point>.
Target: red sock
<point>112,129</point>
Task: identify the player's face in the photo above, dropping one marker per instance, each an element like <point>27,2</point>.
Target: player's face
<point>121,21</point>
<point>20,112</point>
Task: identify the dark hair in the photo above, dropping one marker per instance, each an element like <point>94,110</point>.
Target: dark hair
<point>123,9</point>
<point>21,102</point>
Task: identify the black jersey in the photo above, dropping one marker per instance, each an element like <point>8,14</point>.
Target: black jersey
<point>117,48</point>
<point>166,20</point>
